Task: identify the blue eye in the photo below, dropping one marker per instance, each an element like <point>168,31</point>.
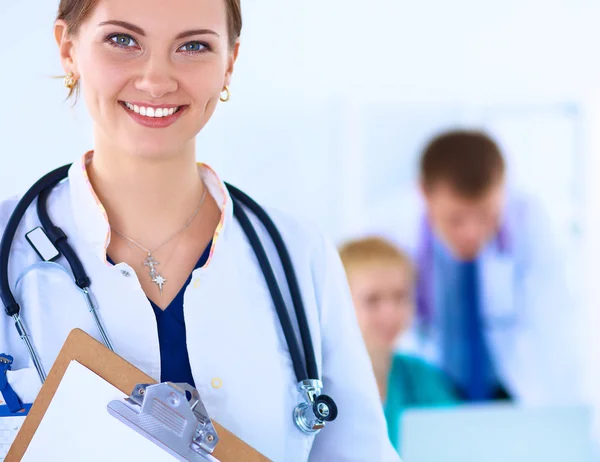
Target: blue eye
<point>193,47</point>
<point>122,40</point>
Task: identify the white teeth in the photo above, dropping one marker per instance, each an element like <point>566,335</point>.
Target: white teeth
<point>152,112</point>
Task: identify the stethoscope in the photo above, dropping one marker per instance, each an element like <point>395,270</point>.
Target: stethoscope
<point>316,408</point>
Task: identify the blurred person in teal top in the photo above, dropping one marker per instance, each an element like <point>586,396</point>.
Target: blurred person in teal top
<point>382,282</point>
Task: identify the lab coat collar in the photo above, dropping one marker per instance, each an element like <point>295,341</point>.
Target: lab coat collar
<point>91,218</point>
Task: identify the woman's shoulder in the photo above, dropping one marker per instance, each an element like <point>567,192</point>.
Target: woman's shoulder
<point>316,263</point>
<point>20,251</point>
<point>301,234</point>
<point>416,364</point>
<point>7,206</point>
<point>28,218</point>
<point>413,363</point>
<point>428,375</point>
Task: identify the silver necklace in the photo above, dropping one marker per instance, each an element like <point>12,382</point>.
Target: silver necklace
<point>150,262</point>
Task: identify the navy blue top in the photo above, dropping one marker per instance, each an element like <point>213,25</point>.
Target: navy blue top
<point>174,358</point>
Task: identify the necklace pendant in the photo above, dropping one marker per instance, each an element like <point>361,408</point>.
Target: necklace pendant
<point>160,282</point>
<point>150,262</point>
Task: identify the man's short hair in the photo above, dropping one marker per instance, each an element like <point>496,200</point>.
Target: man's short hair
<point>470,162</point>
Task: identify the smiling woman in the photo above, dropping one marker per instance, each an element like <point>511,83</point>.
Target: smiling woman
<point>178,61</point>
<point>174,265</point>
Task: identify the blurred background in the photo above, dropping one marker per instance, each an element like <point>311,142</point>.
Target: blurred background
<point>333,100</point>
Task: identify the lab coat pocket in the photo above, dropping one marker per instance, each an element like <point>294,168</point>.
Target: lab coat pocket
<point>26,383</point>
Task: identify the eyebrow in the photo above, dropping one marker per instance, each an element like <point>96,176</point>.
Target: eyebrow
<point>138,30</point>
<point>189,33</point>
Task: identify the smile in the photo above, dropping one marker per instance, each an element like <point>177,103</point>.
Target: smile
<point>153,116</point>
<point>151,111</point>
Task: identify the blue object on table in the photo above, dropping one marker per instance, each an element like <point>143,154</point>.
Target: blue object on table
<point>13,403</point>
<point>5,411</point>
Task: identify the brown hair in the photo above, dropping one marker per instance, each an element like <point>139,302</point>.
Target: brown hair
<point>373,250</point>
<point>75,12</point>
<point>468,161</point>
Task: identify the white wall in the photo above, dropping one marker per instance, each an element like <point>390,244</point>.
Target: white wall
<point>305,64</point>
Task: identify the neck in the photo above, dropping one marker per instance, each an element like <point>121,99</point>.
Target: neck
<point>146,199</point>
<point>381,361</point>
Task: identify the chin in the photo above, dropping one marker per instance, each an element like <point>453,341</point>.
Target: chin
<point>386,347</point>
<point>154,148</point>
<point>467,255</point>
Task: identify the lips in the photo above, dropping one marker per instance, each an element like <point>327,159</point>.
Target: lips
<point>151,111</point>
<point>153,116</point>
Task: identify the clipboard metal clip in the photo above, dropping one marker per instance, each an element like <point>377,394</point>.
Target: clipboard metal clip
<point>172,416</point>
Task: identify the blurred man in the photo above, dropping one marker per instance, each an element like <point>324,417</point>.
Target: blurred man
<point>493,310</point>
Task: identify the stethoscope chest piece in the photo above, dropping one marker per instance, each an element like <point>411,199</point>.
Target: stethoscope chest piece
<point>311,415</point>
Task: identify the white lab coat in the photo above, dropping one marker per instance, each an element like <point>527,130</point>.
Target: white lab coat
<point>233,332</point>
<point>529,313</point>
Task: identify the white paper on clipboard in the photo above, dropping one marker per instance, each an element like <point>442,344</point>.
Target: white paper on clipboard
<point>9,426</point>
<point>77,426</point>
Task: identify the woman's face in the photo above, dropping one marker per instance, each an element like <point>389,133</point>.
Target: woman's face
<point>383,297</point>
<point>151,71</point>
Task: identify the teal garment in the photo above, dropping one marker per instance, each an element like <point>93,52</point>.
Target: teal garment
<point>414,383</point>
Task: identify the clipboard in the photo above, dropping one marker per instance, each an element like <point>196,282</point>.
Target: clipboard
<point>93,355</point>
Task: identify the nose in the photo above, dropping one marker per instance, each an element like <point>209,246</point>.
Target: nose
<point>472,238</point>
<point>472,231</point>
<point>157,78</point>
<point>388,314</point>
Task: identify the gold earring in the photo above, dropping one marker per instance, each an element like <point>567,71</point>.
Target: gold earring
<point>225,98</point>
<point>70,81</point>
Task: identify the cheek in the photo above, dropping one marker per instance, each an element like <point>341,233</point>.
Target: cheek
<point>393,321</point>
<point>407,315</point>
<point>102,76</point>
<point>393,318</point>
<point>449,227</point>
<point>404,322</point>
<point>203,79</point>
<point>441,225</point>
<point>381,322</point>
<point>366,320</point>
<point>492,226</point>
<point>362,317</point>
